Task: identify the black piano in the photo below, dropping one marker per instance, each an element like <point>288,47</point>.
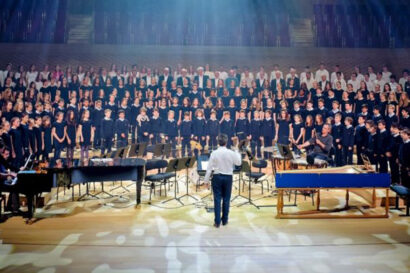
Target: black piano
<point>32,184</point>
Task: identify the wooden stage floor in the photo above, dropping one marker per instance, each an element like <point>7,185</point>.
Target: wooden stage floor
<point>112,236</point>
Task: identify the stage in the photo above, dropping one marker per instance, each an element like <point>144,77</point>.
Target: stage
<point>112,235</point>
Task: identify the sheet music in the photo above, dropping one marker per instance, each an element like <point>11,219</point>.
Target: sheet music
<point>204,165</point>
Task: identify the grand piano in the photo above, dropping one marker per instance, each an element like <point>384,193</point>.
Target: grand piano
<point>352,179</point>
<point>32,183</point>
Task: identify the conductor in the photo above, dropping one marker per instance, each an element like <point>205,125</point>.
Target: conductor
<point>222,163</point>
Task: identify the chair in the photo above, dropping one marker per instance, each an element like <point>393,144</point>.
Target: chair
<point>404,193</point>
<point>260,164</point>
<point>246,169</point>
<point>160,178</point>
<point>200,168</point>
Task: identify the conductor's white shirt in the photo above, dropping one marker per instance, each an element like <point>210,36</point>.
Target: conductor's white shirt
<point>223,161</point>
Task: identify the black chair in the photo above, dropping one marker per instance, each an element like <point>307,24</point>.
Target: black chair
<point>256,176</point>
<point>404,193</point>
<point>200,169</point>
<point>246,169</point>
<point>160,178</point>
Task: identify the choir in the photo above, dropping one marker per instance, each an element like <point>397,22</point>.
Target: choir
<point>54,111</point>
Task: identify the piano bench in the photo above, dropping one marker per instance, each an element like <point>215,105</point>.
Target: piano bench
<point>403,193</point>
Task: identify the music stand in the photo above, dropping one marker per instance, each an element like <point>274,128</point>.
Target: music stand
<point>137,150</point>
<point>285,153</point>
<point>142,149</point>
<point>122,154</point>
<point>172,167</point>
<point>158,148</point>
<point>187,163</point>
<point>167,148</point>
<point>243,144</point>
<point>133,150</point>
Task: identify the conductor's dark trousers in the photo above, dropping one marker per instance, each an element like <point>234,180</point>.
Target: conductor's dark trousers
<point>222,188</point>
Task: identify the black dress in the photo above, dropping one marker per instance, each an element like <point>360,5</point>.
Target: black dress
<point>71,134</point>
<point>297,128</point>
<point>283,131</point>
<point>86,131</point>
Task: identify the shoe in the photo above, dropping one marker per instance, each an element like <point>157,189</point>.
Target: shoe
<point>224,224</point>
<point>216,225</point>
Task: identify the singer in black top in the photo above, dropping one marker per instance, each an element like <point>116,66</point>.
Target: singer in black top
<point>360,139</point>
<point>382,143</point>
<point>186,135</point>
<point>58,135</point>
<point>121,129</point>
<point>393,152</point>
<point>70,131</point>
<point>255,134</point>
<point>143,126</point>
<point>404,158</point>
<point>227,127</point>
<point>337,134</point>
<point>107,132</point>
<point>348,141</point>
<point>171,131</point>
<point>97,115</point>
<point>156,126</point>
<point>212,130</point>
<point>198,129</point>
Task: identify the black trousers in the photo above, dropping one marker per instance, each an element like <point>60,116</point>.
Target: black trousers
<point>267,142</point>
<point>347,156</point>
<point>213,143</point>
<point>156,139</point>
<point>97,137</point>
<point>394,169</point>
<point>122,142</point>
<point>338,155</point>
<point>173,141</point>
<point>404,176</point>
<point>359,152</point>
<point>256,147</point>
<point>222,189</point>
<point>186,146</point>
<point>106,145</point>
<point>382,162</point>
